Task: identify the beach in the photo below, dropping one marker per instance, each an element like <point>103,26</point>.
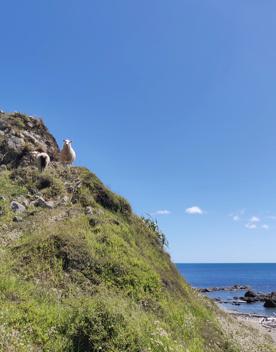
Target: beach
<point>243,326</point>
<point>264,324</point>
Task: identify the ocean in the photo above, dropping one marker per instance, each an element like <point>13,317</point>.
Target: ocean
<point>260,277</point>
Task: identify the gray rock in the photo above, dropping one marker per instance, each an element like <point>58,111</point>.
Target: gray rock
<point>23,200</point>
<point>42,203</point>
<point>33,137</point>
<point>3,124</point>
<point>16,143</point>
<point>88,210</point>
<point>17,207</point>
<point>17,219</point>
<point>3,167</point>
<point>64,200</point>
<point>2,198</point>
<point>26,203</point>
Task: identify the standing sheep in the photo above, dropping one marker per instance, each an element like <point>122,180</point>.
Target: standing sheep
<point>67,154</point>
<point>42,159</point>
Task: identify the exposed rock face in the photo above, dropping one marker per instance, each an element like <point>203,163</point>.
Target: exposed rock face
<point>41,202</point>
<point>21,134</point>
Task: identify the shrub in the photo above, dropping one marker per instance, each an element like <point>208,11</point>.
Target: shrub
<point>153,226</point>
<point>103,324</point>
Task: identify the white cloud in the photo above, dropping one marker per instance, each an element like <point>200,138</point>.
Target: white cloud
<point>162,212</point>
<point>251,226</point>
<point>255,219</point>
<point>195,210</point>
<point>237,215</point>
<point>265,226</point>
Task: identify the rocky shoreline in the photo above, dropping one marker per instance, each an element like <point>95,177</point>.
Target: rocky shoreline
<point>250,296</point>
<point>227,288</point>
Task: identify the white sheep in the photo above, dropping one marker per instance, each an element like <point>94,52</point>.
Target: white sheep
<point>42,159</point>
<point>67,154</point>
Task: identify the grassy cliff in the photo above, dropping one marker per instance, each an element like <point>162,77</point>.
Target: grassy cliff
<point>79,271</point>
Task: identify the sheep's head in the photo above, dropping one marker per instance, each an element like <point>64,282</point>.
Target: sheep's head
<point>67,142</point>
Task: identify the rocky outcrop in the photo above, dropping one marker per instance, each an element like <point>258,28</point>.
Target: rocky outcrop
<point>229,288</point>
<point>249,297</point>
<point>270,300</point>
<point>19,135</point>
<point>250,294</point>
<point>41,202</point>
<point>270,303</point>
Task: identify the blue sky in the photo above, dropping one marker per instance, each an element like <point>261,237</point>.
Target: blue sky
<point>171,103</point>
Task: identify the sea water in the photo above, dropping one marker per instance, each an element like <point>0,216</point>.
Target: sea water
<point>260,278</point>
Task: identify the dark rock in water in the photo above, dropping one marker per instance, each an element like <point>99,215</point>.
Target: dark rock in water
<point>250,293</point>
<point>251,299</point>
<point>262,297</point>
<point>270,303</point>
<point>203,290</point>
<point>217,299</point>
<point>270,300</point>
<point>239,287</point>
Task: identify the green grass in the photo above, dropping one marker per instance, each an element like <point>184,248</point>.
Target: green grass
<point>100,282</point>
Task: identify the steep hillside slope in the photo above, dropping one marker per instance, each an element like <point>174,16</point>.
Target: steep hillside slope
<point>79,271</point>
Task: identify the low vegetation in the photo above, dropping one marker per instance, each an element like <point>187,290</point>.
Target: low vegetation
<point>84,273</point>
